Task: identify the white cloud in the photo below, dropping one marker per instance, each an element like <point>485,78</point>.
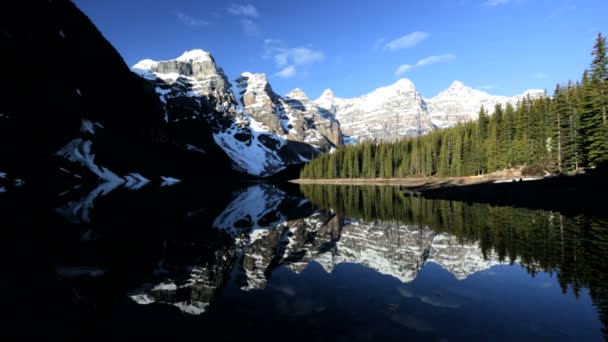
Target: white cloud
<point>250,27</point>
<point>496,2</point>
<point>288,58</point>
<point>402,69</point>
<point>424,62</point>
<point>379,42</point>
<point>407,41</point>
<point>245,10</point>
<point>190,21</point>
<point>287,72</point>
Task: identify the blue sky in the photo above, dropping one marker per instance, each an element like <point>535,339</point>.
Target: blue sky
<point>500,46</point>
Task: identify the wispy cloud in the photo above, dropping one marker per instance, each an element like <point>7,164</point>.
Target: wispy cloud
<point>540,76</point>
<point>250,27</point>
<point>424,62</point>
<point>495,3</point>
<point>248,13</point>
<point>287,72</point>
<point>247,10</point>
<point>407,41</point>
<point>379,43</point>
<point>289,58</point>
<point>189,20</point>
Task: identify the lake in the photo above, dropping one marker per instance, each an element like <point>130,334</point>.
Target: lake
<point>313,262</point>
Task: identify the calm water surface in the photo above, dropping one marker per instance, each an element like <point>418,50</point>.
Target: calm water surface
<point>271,262</point>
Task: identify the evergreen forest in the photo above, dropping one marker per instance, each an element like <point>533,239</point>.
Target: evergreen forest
<point>560,133</point>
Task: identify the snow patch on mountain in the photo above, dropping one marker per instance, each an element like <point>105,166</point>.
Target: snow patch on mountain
<point>79,150</point>
<point>194,55</point>
<point>387,113</point>
<point>460,103</point>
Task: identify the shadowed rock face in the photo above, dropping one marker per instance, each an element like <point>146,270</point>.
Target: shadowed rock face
<point>293,116</point>
<point>200,106</point>
<point>91,104</point>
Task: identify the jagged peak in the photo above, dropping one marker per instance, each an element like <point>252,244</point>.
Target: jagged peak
<point>145,64</point>
<point>457,87</point>
<point>457,84</point>
<point>194,55</point>
<point>297,94</point>
<point>403,83</point>
<point>327,93</point>
<point>250,81</point>
<point>250,75</point>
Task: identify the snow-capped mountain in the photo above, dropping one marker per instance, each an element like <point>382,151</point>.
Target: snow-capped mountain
<point>386,113</point>
<point>460,103</point>
<point>261,132</point>
<point>399,110</point>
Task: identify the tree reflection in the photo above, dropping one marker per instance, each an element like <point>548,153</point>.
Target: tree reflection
<point>575,249</point>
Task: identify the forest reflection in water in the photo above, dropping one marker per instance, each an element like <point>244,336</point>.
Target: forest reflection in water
<point>373,261</point>
<point>575,249</point>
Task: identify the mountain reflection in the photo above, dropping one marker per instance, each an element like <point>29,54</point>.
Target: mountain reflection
<point>405,265</point>
<point>265,228</point>
<point>573,248</point>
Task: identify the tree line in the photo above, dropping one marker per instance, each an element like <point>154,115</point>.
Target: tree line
<point>561,133</point>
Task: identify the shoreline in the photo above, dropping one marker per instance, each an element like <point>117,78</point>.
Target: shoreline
<point>570,195</point>
<point>414,182</point>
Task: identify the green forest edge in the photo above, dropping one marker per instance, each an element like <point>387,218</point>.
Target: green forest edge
<point>565,133</point>
<point>571,248</point>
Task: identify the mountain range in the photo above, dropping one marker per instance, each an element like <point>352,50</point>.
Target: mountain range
<point>264,131</point>
<point>180,118</point>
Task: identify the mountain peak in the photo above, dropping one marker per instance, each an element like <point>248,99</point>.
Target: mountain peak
<point>327,93</point>
<point>297,94</point>
<point>404,83</point>
<point>457,85</point>
<point>145,64</point>
<point>194,55</point>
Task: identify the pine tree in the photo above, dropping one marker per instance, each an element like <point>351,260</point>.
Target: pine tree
<point>561,133</point>
<point>594,116</point>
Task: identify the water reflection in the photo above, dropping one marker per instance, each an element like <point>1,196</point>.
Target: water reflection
<point>575,249</point>
<point>356,262</point>
<point>388,232</point>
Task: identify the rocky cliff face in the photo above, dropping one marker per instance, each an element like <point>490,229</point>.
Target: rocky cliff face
<point>95,121</point>
<point>387,113</point>
<point>252,128</point>
<point>293,116</point>
<point>460,103</point>
<point>399,110</point>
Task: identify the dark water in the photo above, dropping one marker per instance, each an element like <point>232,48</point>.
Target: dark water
<point>269,262</point>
